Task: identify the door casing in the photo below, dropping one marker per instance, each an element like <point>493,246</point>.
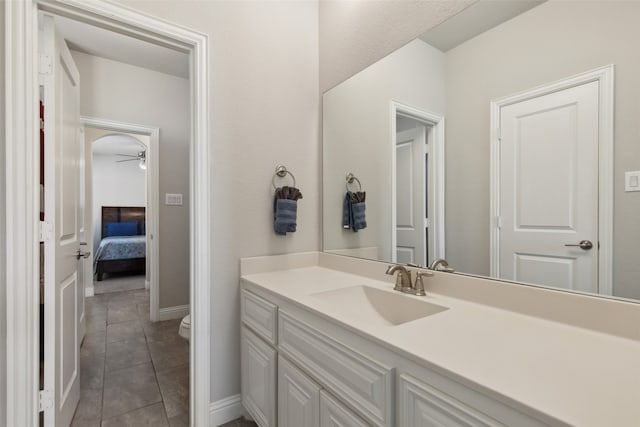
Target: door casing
<point>22,192</point>
<point>605,77</point>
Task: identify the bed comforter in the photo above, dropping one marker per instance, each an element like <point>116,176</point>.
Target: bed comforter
<point>121,247</point>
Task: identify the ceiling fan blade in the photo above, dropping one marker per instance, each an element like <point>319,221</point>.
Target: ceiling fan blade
<point>127,160</point>
<point>127,155</point>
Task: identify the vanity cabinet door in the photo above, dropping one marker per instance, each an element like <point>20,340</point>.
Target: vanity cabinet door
<point>298,397</point>
<point>335,414</point>
<point>426,406</point>
<point>258,370</point>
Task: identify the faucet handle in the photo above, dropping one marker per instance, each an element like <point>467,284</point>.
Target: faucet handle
<point>418,288</point>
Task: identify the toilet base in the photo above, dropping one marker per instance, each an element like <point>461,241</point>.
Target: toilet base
<point>185,327</point>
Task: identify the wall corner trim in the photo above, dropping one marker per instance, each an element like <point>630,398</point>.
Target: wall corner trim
<point>225,410</point>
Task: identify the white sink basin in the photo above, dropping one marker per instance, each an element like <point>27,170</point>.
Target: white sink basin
<point>388,308</point>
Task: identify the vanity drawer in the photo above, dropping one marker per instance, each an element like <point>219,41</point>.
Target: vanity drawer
<point>260,315</point>
<point>334,414</point>
<point>424,405</point>
<point>362,382</point>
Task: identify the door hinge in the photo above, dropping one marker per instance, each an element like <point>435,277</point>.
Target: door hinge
<point>427,223</point>
<point>45,400</point>
<point>46,231</point>
<point>499,134</point>
<point>499,222</point>
<point>44,64</point>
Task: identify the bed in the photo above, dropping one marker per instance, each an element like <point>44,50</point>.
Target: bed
<point>123,245</point>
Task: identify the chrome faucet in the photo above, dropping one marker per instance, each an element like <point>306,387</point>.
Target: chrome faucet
<point>441,262</point>
<point>403,279</point>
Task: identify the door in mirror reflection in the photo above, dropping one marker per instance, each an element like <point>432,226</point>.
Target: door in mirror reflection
<point>548,189</point>
<point>411,195</point>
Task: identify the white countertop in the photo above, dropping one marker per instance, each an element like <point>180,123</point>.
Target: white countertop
<point>575,375</point>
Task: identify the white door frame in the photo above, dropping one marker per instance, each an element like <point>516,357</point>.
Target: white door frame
<point>22,192</point>
<point>605,77</point>
<point>435,137</point>
<point>152,205</point>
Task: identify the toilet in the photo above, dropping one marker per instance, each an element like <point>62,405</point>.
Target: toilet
<point>185,327</point>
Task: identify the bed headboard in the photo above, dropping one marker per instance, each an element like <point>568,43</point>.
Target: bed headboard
<point>121,214</point>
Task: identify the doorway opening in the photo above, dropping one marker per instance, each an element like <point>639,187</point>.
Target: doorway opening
<point>418,185</point>
<point>96,129</point>
<point>119,211</point>
<point>23,399</point>
<point>106,346</point>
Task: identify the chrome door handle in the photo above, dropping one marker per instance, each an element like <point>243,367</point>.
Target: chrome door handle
<point>584,245</point>
<point>81,254</point>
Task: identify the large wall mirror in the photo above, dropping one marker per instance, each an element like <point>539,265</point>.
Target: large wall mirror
<point>505,140</point>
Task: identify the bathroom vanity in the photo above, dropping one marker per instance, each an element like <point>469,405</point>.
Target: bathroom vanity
<point>326,341</point>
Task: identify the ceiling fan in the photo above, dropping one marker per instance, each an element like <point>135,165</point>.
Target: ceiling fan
<point>140,157</point>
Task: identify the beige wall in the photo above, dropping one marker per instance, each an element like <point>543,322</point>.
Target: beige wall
<point>264,105</point>
<point>117,91</point>
<point>357,138</point>
<point>355,34</point>
<point>555,40</point>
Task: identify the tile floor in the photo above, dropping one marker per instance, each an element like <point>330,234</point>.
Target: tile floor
<point>134,372</point>
<point>240,422</point>
<point>116,282</point>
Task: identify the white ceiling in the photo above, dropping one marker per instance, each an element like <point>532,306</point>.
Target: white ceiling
<point>108,44</point>
<point>117,144</point>
<point>476,19</point>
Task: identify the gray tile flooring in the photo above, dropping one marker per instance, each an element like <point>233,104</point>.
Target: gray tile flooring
<point>240,422</point>
<point>134,372</point>
<point>117,282</point>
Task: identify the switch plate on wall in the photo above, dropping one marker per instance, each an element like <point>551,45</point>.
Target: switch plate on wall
<point>632,181</point>
<point>173,199</point>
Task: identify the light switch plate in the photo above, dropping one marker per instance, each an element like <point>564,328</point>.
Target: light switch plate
<point>173,199</point>
<point>632,181</point>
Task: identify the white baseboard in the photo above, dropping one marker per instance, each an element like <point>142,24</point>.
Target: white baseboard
<point>225,410</point>
<point>176,312</point>
<point>89,291</point>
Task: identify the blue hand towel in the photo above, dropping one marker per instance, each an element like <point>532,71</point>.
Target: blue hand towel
<point>285,212</point>
<point>359,220</point>
<point>353,212</point>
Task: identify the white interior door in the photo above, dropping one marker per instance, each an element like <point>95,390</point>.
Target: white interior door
<point>60,81</point>
<point>549,189</point>
<point>410,196</point>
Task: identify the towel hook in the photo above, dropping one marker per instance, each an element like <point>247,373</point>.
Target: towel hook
<point>350,178</point>
<point>281,171</point>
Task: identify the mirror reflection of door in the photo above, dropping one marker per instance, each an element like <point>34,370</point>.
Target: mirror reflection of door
<point>411,192</point>
<point>548,189</point>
